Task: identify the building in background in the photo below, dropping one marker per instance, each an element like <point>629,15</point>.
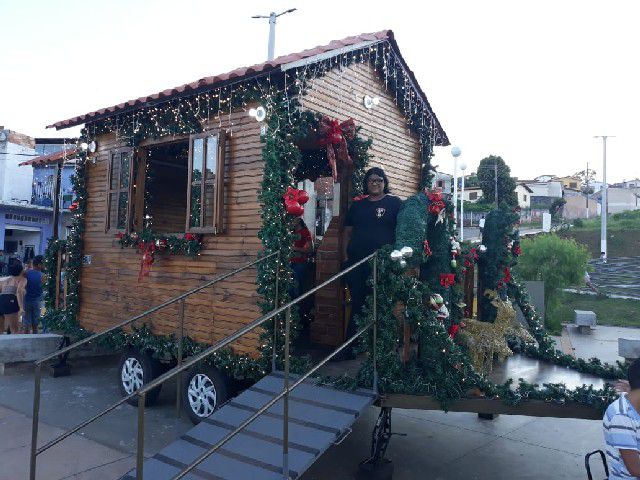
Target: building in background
<point>620,199</point>
<point>26,193</point>
<point>443,181</point>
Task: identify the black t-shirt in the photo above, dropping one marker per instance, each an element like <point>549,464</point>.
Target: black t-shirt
<point>374,225</point>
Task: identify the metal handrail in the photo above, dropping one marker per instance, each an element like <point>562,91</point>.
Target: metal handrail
<point>141,393</point>
<point>38,363</point>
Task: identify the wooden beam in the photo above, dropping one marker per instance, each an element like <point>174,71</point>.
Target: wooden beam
<point>529,408</point>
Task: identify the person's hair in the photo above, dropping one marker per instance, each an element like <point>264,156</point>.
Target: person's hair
<point>37,260</point>
<point>634,374</point>
<point>15,268</point>
<point>375,171</point>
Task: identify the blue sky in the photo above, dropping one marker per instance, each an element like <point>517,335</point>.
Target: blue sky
<point>530,81</point>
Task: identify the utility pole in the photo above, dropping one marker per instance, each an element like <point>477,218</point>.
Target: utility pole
<point>272,30</point>
<point>604,209</point>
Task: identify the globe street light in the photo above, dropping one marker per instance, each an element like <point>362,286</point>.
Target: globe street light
<point>455,151</point>
<point>463,167</point>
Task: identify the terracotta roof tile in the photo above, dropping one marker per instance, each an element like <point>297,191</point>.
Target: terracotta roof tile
<point>52,157</point>
<point>247,72</point>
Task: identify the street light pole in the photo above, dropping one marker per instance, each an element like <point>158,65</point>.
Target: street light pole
<point>272,30</point>
<point>463,167</point>
<point>604,208</point>
<point>455,151</point>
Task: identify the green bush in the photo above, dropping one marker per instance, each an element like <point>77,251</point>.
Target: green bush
<point>578,223</point>
<point>559,262</point>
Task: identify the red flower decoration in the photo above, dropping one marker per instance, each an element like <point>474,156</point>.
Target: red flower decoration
<point>517,251</point>
<point>190,236</point>
<point>467,263</point>
<point>120,235</point>
<point>453,330</point>
<point>447,279</point>
<point>427,248</point>
<point>507,275</point>
<point>74,206</point>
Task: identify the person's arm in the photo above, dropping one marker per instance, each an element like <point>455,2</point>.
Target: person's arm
<point>631,459</point>
<point>20,292</point>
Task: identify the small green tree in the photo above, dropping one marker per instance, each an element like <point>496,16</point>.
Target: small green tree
<point>487,170</point>
<point>559,262</point>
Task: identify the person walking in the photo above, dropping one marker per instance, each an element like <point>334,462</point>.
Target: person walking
<point>370,223</point>
<point>33,299</point>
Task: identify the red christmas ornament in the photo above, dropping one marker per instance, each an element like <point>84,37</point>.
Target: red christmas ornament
<point>453,330</point>
<point>447,279</point>
<point>303,197</point>
<point>189,236</point>
<point>74,206</point>
<point>293,201</point>
<point>120,235</point>
<point>517,250</point>
<point>427,248</point>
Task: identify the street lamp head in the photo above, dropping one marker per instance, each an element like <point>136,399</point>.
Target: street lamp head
<point>463,166</point>
<point>455,151</point>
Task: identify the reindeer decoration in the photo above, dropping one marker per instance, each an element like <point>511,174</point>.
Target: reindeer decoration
<point>486,340</point>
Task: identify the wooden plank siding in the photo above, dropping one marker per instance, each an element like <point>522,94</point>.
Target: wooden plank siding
<point>340,94</point>
<point>110,291</point>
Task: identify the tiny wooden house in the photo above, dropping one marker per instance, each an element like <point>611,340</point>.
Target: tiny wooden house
<point>189,163</point>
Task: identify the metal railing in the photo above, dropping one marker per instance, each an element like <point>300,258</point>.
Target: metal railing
<point>284,394</point>
<point>35,451</point>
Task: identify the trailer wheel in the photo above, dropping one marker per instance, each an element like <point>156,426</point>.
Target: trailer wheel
<point>135,370</point>
<point>204,391</point>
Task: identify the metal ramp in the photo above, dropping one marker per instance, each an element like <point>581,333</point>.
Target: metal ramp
<point>319,416</point>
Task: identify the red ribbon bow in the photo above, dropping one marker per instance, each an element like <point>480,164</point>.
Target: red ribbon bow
<point>335,135</point>
<point>147,249</point>
<point>293,201</point>
<point>447,279</point>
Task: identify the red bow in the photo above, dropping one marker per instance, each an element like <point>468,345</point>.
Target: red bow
<point>335,135</point>
<point>147,249</point>
<point>293,201</point>
<point>447,279</point>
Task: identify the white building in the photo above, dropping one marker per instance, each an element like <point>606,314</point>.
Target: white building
<point>443,181</point>
<point>472,194</point>
<point>621,199</point>
<point>524,195</point>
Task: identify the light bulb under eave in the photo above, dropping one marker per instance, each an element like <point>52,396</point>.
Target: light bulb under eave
<point>455,151</point>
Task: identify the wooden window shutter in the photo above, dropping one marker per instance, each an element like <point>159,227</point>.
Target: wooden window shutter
<point>119,190</point>
<point>205,192</point>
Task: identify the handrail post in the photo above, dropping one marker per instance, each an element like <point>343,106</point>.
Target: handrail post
<point>375,323</point>
<point>275,319</point>
<point>285,418</point>
<point>180,338</point>
<point>34,426</point>
<point>140,446</point>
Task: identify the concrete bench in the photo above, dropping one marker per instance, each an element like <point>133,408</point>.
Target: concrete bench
<point>26,347</point>
<point>585,320</point>
<point>629,348</point>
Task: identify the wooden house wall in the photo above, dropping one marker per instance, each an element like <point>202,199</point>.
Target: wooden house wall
<point>340,94</point>
<point>110,291</point>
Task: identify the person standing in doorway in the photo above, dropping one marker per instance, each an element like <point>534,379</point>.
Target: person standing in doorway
<point>370,223</point>
<point>33,298</point>
<point>302,246</point>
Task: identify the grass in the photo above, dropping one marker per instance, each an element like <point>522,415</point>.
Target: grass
<point>609,311</point>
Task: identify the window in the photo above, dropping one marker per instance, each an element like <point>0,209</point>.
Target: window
<point>524,198</point>
<point>119,190</point>
<point>473,195</point>
<point>206,183</point>
<point>573,185</point>
<point>440,184</point>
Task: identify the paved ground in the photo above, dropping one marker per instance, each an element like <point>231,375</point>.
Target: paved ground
<point>619,276</point>
<point>601,342</point>
<point>437,446</point>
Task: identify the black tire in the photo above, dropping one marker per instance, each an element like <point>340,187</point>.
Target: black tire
<point>204,390</point>
<point>135,370</point>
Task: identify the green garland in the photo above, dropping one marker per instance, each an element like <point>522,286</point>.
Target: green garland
<point>190,244</point>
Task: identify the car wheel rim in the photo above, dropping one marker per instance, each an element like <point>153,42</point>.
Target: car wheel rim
<point>202,395</point>
<point>132,375</point>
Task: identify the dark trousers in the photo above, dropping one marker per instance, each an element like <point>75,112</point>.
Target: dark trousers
<point>299,274</point>
<point>359,290</point>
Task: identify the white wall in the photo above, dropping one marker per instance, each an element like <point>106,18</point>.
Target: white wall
<point>15,181</point>
<point>524,196</point>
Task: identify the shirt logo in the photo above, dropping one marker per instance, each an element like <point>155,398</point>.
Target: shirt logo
<point>380,212</point>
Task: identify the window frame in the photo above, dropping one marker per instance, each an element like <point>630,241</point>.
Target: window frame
<point>108,228</point>
<point>217,182</point>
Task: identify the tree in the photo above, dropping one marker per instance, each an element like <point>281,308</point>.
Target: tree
<point>587,180</point>
<point>559,262</point>
<point>487,180</point>
<point>556,209</point>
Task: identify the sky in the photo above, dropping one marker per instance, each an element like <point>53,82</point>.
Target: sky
<point>531,81</point>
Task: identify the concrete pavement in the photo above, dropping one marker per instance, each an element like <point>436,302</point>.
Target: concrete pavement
<point>438,445</point>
